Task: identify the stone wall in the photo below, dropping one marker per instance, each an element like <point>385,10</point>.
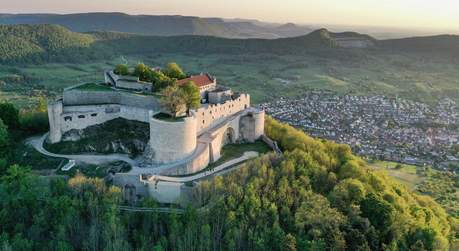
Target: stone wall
<point>172,141</point>
<point>79,97</point>
<point>131,85</point>
<point>74,97</point>
<point>54,115</point>
<point>198,161</point>
<point>79,109</point>
<point>251,126</point>
<point>211,114</point>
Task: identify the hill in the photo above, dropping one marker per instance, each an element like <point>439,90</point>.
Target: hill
<point>28,43</point>
<point>158,25</point>
<point>53,43</point>
<point>442,44</point>
<point>315,196</point>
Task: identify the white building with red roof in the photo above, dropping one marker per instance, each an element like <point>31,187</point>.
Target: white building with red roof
<point>205,82</point>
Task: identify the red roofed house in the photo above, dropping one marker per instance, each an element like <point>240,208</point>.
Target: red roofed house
<point>205,82</point>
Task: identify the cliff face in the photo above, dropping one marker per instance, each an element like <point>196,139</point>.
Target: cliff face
<point>115,136</point>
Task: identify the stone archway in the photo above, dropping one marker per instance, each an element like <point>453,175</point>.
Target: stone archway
<point>228,136</point>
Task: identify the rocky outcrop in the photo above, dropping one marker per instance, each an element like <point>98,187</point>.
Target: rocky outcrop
<point>115,136</point>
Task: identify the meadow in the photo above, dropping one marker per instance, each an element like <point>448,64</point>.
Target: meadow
<point>441,186</point>
<point>265,76</point>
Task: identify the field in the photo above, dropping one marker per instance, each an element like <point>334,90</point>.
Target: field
<point>265,77</point>
<point>406,175</point>
<point>441,186</point>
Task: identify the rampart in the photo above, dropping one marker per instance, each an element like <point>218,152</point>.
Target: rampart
<point>171,141</point>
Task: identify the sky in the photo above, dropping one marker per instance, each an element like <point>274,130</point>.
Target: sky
<point>441,14</point>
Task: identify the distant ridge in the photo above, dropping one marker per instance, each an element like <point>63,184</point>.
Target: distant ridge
<point>160,25</point>
<point>43,43</point>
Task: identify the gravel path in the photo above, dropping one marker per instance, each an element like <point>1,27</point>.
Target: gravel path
<point>37,143</point>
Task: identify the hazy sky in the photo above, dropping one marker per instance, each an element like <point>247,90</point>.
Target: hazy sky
<point>443,14</point>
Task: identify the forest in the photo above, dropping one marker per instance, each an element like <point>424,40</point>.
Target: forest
<point>316,196</point>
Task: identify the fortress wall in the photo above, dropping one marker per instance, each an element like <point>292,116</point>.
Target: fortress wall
<point>131,85</point>
<point>252,126</point>
<point>78,97</point>
<point>81,109</point>
<point>176,140</point>
<point>125,180</point>
<point>80,117</point>
<point>199,161</point>
<point>259,124</point>
<point>54,115</point>
<point>135,113</point>
<point>165,192</point>
<point>138,100</point>
<point>212,114</point>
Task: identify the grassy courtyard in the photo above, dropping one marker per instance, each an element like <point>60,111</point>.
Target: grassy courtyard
<point>93,87</point>
<point>234,151</point>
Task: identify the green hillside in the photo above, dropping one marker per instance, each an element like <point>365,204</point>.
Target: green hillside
<point>29,43</point>
<point>316,196</point>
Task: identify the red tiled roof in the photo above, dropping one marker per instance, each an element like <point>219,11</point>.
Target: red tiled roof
<point>199,80</point>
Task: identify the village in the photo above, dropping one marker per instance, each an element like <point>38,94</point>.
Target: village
<point>378,127</point>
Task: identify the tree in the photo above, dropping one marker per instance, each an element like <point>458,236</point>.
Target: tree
<point>160,81</point>
<point>3,134</point>
<point>378,211</point>
<point>192,96</point>
<point>10,115</point>
<point>173,70</point>
<point>121,69</point>
<point>142,71</point>
<point>173,100</point>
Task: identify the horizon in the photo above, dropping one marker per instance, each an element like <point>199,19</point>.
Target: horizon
<point>411,14</point>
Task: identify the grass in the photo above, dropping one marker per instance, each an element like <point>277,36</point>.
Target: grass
<point>27,156</point>
<point>93,87</point>
<point>441,186</point>
<point>234,151</point>
<point>258,75</point>
<point>406,175</point>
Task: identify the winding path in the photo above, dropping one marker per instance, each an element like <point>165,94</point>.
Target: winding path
<point>230,163</point>
<point>37,143</point>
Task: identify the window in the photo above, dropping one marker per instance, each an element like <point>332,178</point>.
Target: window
<point>94,115</point>
<point>68,118</point>
<point>203,121</point>
<point>81,116</point>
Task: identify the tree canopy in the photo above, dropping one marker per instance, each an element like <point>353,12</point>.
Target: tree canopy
<point>192,96</point>
<point>173,70</point>
<point>10,115</point>
<point>183,98</point>
<point>121,69</point>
